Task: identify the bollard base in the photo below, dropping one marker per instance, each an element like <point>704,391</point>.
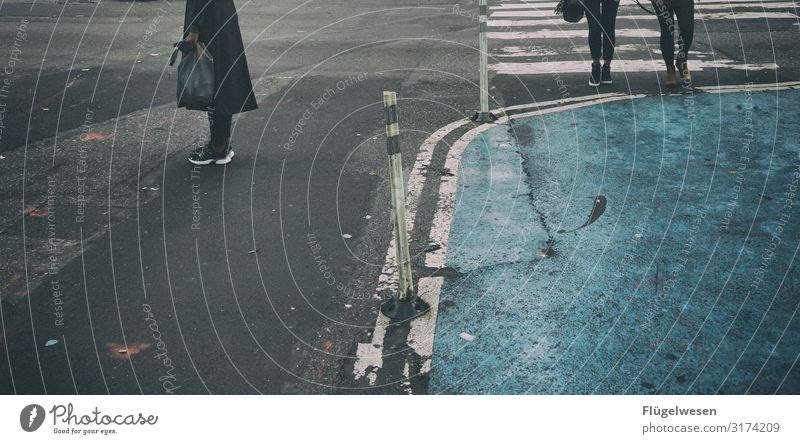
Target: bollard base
<point>405,310</point>
<point>484,117</point>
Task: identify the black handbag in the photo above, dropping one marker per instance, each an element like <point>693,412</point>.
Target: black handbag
<point>571,10</point>
<point>195,76</point>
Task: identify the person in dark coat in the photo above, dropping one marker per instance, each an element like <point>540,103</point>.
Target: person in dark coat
<point>216,25</point>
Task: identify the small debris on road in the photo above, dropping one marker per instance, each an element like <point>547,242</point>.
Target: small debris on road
<point>466,336</point>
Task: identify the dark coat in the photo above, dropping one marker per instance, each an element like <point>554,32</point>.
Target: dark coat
<point>218,26</point>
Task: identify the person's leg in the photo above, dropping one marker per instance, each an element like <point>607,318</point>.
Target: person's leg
<point>595,38</point>
<point>666,22</point>
<point>595,29</point>
<point>220,126</point>
<point>609,22</point>
<point>684,10</point>
<point>218,149</point>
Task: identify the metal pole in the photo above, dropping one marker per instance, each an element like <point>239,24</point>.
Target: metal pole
<point>404,305</point>
<point>483,115</point>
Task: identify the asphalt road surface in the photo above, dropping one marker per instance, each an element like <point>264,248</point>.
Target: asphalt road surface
<point>127,270</point>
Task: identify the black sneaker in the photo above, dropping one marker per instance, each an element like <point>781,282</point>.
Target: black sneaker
<point>594,79</point>
<point>605,77</point>
<point>204,155</point>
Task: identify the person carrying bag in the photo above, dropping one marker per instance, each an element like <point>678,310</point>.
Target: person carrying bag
<point>602,18</point>
<point>212,48</point>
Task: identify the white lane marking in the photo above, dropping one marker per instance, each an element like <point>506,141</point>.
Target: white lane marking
<point>557,21</point>
<point>443,218</point>
<point>539,105</point>
<point>751,87</point>
<point>550,5</point>
<point>440,227</point>
<point>746,15</point>
<point>567,34</point>
<point>369,357</point>
<point>423,328</point>
<point>768,5</point>
<point>416,181</point>
<point>577,66</point>
<point>525,13</point>
<point>518,51</point>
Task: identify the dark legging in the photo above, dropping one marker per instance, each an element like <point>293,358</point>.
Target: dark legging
<point>602,16</point>
<point>666,13</point>
<point>220,125</point>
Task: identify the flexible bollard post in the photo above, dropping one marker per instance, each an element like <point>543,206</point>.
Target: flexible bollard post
<point>404,305</point>
<point>483,116</point>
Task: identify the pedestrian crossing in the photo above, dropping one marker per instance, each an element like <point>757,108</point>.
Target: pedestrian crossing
<point>528,38</point>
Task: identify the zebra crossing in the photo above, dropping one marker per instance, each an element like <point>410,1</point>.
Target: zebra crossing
<point>528,38</point>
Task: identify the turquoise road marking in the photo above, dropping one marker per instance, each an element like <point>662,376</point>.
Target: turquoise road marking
<point>635,302</point>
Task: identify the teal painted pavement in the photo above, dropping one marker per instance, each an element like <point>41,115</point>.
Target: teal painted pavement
<point>686,282</point>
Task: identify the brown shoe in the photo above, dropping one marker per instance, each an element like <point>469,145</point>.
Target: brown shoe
<point>683,68</point>
<point>671,81</point>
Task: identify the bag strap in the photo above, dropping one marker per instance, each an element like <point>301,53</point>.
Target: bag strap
<point>175,52</point>
<point>646,10</point>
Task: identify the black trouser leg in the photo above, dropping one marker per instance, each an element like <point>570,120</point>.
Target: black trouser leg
<point>609,21</point>
<point>684,10</point>
<point>220,125</point>
<point>595,28</point>
<point>666,21</point>
<point>602,17</point>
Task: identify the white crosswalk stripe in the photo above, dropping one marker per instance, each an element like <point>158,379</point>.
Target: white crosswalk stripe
<point>528,38</point>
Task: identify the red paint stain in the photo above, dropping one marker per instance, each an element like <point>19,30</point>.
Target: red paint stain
<point>35,212</point>
<point>12,280</point>
<point>120,351</point>
<point>97,137</point>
